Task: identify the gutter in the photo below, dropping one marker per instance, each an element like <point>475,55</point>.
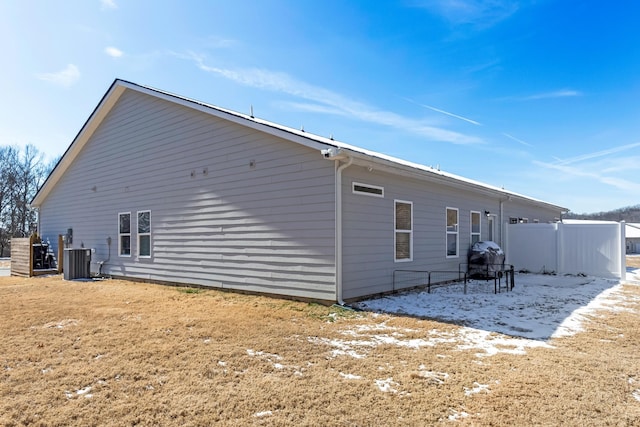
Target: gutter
<point>337,155</point>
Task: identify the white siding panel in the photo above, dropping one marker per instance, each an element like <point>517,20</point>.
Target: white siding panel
<point>230,207</point>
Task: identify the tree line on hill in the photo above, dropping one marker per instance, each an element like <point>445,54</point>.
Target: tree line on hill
<point>627,214</point>
<point>22,172</point>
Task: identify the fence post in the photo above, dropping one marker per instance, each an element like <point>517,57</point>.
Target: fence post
<point>60,253</point>
<point>559,248</point>
<point>623,250</point>
<point>31,241</point>
<point>513,281</point>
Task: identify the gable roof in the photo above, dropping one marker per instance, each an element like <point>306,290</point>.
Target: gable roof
<point>632,230</point>
<point>359,155</point>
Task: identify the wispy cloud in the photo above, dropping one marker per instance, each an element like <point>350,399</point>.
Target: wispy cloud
<point>563,93</point>
<point>601,166</point>
<point>216,42</point>
<point>327,101</point>
<point>516,139</point>
<point>590,172</point>
<point>113,52</point>
<point>66,77</point>
<point>479,13</point>
<point>108,4</point>
<point>448,113</point>
<point>597,154</point>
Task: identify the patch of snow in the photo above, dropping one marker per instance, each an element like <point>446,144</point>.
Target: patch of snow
<point>82,391</point>
<point>61,324</point>
<point>350,376</point>
<point>342,348</point>
<point>636,395</point>
<point>221,363</point>
<point>492,344</point>
<point>386,386</point>
<point>434,377</point>
<point>477,388</point>
<point>263,414</point>
<point>263,354</point>
<point>539,307</point>
<point>455,415</point>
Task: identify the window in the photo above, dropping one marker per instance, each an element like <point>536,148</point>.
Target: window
<point>475,227</point>
<point>144,234</point>
<point>403,231</point>
<point>124,234</point>
<point>367,190</point>
<point>513,220</point>
<point>452,232</point>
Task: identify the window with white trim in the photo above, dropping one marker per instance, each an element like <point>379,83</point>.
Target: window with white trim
<point>124,234</point>
<point>475,227</point>
<point>452,232</point>
<point>403,219</point>
<point>144,234</point>
<point>367,189</point>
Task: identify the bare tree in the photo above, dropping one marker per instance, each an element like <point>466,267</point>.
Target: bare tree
<point>8,161</point>
<point>22,171</point>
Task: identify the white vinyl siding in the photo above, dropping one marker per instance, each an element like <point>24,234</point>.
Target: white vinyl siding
<point>452,233</point>
<point>124,234</point>
<point>403,219</point>
<point>231,207</point>
<point>475,220</point>
<point>144,234</point>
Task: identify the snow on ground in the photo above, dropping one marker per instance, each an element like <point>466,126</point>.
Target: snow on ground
<point>539,307</point>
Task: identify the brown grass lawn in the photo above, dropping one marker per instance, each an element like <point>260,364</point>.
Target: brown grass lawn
<point>121,353</point>
<point>633,261</point>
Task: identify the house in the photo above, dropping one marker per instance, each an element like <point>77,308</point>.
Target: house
<point>173,190</point>
<point>632,237</point>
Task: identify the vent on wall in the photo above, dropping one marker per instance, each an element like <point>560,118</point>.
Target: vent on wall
<point>367,190</point>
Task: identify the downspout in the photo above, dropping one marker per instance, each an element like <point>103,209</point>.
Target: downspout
<point>339,168</point>
<point>500,225</point>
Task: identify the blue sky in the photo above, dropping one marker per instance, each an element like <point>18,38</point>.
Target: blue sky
<point>539,97</point>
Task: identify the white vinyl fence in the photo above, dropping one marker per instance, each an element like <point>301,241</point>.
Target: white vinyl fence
<point>595,248</point>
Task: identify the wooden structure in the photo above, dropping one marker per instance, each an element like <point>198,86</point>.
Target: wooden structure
<point>23,262</point>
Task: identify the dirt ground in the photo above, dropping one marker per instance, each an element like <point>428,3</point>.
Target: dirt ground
<point>122,353</point>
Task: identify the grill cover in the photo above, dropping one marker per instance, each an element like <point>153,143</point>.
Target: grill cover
<point>485,259</point>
